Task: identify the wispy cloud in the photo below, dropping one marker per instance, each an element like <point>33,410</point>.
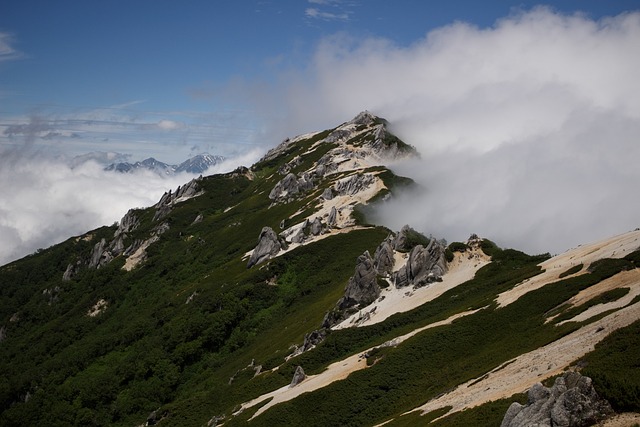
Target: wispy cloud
<point>527,129</point>
<point>130,129</point>
<point>328,10</point>
<point>7,51</point>
<point>316,13</point>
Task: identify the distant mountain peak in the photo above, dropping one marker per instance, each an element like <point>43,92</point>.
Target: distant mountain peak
<point>195,165</point>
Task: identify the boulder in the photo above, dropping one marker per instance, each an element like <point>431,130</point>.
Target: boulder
<point>316,226</point>
<point>268,246</point>
<point>327,194</point>
<point>570,402</point>
<point>362,288</point>
<point>298,376</point>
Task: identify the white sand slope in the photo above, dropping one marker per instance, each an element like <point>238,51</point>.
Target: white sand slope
<point>519,374</point>
<point>334,372</point>
<point>614,247</point>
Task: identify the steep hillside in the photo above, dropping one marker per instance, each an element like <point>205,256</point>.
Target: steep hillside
<point>264,297</point>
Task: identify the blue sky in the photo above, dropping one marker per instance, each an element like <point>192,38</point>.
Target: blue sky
<point>526,115</point>
<point>172,79</point>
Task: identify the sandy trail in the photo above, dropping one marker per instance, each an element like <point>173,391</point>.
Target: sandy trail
<point>334,372</point>
<point>461,269</point>
<point>519,374</point>
<point>614,247</point>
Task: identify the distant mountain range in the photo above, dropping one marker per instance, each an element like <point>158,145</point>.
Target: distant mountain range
<point>119,162</point>
<point>195,165</point>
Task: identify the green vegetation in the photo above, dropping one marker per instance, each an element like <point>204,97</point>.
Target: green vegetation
<point>603,298</point>
<point>614,366</point>
<point>572,270</point>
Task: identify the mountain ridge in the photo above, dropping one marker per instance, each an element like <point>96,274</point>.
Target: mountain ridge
<point>195,165</point>
<point>168,316</point>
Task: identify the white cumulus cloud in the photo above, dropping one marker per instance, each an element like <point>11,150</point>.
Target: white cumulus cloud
<point>528,130</point>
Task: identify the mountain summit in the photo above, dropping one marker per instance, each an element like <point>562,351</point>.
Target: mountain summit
<point>265,296</point>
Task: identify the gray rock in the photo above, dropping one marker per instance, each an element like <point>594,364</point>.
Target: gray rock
<point>287,186</point>
<point>198,219</point>
<point>570,402</point>
<point>353,184</point>
<point>327,194</point>
<point>333,217</point>
<point>128,223</point>
<point>268,246</point>
<point>401,243</point>
<point>312,339</point>
<point>298,376</point>
<point>425,265</point>
<point>168,199</point>
<point>383,258</point>
<point>71,271</point>
<point>362,288</point>
<point>3,333</point>
<point>300,235</point>
<point>316,226</point>
<point>100,256</point>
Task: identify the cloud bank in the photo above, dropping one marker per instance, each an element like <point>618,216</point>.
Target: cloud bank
<point>528,130</point>
<point>44,201</point>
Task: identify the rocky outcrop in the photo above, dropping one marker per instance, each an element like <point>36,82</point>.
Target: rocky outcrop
<point>268,246</point>
<point>298,376</point>
<point>187,191</point>
<point>570,402</point>
<point>424,265</point>
<point>290,186</point>
<point>100,256</point>
<point>362,288</point>
<point>383,259</point>
<point>287,167</point>
<point>353,184</point>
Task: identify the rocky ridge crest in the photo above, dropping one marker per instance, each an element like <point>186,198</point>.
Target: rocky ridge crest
<point>343,177</point>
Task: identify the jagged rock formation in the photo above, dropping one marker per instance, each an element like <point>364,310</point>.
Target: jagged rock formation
<point>182,193</point>
<point>362,288</point>
<point>290,186</point>
<point>425,265</point>
<point>268,246</point>
<point>298,376</point>
<point>570,402</point>
<point>354,184</point>
<point>383,258</point>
